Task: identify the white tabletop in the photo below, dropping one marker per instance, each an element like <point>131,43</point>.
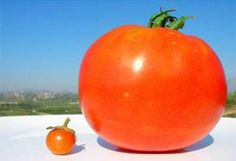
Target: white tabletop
<point>22,138</point>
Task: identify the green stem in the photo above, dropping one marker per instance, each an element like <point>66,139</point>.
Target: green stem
<point>159,19</point>
<point>164,19</point>
<point>179,23</point>
<point>65,124</point>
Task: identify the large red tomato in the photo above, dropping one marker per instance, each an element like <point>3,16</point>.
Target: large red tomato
<point>151,89</point>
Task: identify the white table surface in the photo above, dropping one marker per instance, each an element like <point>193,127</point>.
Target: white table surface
<point>22,138</point>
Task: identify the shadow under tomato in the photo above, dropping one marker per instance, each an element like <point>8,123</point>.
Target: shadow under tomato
<point>78,148</point>
<point>205,142</point>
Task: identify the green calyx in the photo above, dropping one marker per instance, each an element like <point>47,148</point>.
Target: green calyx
<point>164,19</point>
<point>64,126</point>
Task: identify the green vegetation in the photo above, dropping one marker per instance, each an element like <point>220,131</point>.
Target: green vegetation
<point>43,103</point>
<point>39,103</point>
<point>231,105</point>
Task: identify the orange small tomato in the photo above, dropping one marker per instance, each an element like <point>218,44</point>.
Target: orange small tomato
<point>61,139</point>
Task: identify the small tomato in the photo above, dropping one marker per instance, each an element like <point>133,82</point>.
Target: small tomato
<point>61,139</point>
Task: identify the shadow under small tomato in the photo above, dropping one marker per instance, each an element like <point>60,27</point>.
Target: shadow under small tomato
<point>78,148</point>
<point>205,142</point>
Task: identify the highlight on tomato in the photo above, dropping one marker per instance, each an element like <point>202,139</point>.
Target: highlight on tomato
<point>152,88</point>
<point>61,139</point>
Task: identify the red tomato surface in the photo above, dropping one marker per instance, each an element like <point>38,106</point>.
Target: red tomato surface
<point>151,89</point>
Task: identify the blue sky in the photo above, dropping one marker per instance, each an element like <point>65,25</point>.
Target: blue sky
<point>42,42</point>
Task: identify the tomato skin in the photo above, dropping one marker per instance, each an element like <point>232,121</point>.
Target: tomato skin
<point>60,141</point>
<point>151,89</point>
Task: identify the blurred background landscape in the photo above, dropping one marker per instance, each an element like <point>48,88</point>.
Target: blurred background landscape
<point>33,102</point>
